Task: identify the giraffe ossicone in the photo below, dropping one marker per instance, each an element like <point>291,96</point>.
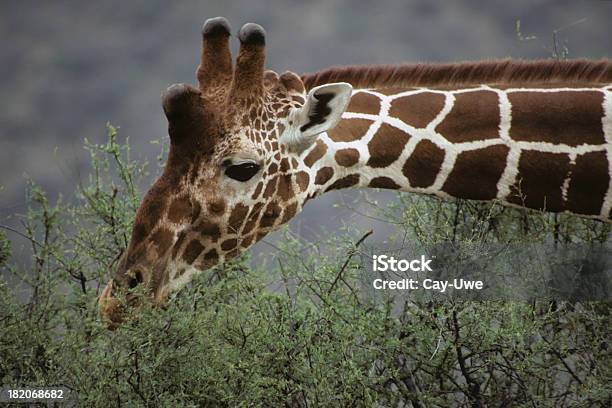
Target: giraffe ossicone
<point>249,148</point>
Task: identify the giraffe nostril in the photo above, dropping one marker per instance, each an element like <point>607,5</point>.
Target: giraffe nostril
<point>136,280</point>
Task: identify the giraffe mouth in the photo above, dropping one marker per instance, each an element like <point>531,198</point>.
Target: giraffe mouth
<point>111,309</point>
<point>114,308</point>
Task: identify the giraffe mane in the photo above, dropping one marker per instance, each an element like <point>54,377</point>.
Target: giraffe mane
<point>506,71</point>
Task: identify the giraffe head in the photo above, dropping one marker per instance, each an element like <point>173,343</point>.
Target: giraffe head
<point>234,171</point>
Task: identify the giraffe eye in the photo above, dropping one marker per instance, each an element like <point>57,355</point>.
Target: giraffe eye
<point>242,172</point>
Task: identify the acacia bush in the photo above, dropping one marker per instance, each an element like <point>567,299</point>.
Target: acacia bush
<point>299,331</point>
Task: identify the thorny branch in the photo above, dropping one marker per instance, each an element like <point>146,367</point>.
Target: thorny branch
<point>348,259</point>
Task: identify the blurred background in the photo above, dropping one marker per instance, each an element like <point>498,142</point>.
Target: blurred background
<point>69,67</point>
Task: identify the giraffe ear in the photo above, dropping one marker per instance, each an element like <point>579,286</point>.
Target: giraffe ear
<point>323,109</point>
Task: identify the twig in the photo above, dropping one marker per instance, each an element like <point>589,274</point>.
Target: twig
<point>473,390</point>
<point>562,360</point>
<point>437,346</point>
<point>348,259</point>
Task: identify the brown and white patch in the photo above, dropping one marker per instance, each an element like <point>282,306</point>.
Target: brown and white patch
<point>564,117</point>
<point>417,110</point>
<point>474,116</point>
<point>424,164</point>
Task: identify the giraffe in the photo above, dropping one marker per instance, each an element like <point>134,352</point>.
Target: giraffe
<point>249,147</point>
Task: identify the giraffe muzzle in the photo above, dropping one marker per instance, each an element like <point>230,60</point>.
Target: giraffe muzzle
<point>114,306</point>
<point>111,309</point>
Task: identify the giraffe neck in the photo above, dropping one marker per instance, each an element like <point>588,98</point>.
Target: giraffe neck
<point>546,148</point>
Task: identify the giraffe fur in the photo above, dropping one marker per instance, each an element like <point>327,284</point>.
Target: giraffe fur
<point>249,148</point>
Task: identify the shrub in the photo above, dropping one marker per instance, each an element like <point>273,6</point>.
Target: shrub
<point>300,332</point>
